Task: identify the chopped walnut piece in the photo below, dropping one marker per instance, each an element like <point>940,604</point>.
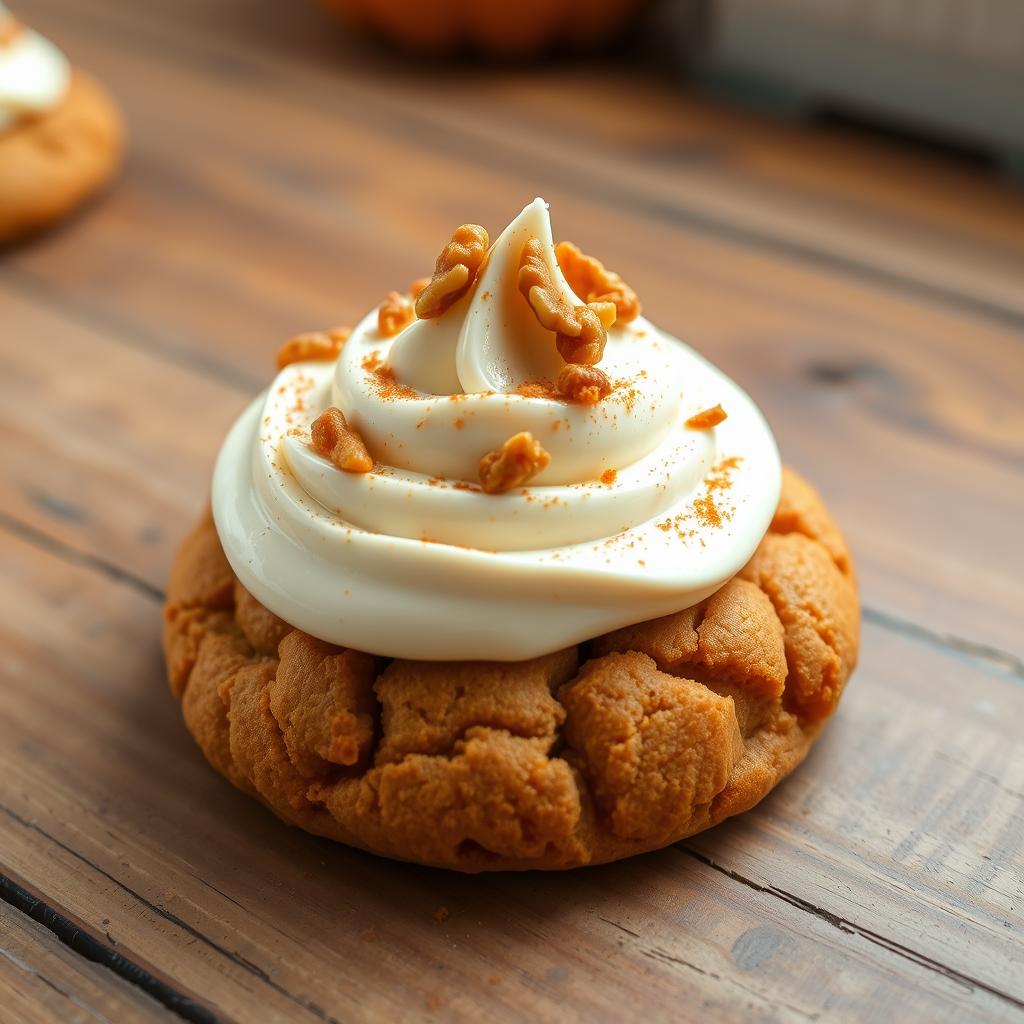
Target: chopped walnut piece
<point>580,331</point>
<point>519,459</point>
<point>455,271</point>
<point>313,345</point>
<point>334,439</point>
<point>588,348</point>
<point>395,312</point>
<point>592,281</point>
<point>417,286</point>
<point>707,419</point>
<point>584,384</point>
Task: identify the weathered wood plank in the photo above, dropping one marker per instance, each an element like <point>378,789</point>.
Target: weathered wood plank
<point>207,891</point>
<point>44,982</point>
<point>869,300</point>
<point>909,814</point>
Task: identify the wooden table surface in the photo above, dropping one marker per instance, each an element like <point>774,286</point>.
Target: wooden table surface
<point>870,297</point>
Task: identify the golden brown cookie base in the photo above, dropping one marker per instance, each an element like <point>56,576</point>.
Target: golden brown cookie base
<point>51,164</point>
<point>625,744</point>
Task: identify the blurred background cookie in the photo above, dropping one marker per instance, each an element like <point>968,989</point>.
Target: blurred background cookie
<point>60,132</point>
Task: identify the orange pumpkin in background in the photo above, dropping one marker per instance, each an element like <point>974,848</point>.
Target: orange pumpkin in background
<point>499,28</point>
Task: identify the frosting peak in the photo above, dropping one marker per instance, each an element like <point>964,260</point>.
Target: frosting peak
<point>631,515</point>
<point>489,340</point>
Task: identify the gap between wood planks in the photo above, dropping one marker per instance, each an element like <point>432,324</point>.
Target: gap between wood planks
<point>121,965</point>
<point>451,139</point>
<point>91,948</point>
<point>851,928</point>
<point>83,944</point>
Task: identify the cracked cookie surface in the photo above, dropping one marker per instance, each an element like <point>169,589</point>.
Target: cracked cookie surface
<point>624,744</point>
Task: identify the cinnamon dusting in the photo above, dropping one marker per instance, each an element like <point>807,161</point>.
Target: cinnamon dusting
<point>708,509</point>
<point>537,389</point>
<point>384,380</point>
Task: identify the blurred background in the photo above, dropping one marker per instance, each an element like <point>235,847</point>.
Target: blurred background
<point>880,134</point>
<point>822,196</point>
<point>947,71</point>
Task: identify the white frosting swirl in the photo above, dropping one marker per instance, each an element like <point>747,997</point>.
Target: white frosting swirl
<point>636,516</point>
<point>34,74</point>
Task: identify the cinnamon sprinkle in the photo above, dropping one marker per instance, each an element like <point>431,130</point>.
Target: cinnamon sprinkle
<point>538,389</point>
<point>707,512</point>
<point>707,509</point>
<point>384,381</point>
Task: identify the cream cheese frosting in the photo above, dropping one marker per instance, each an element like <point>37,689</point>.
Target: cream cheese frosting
<point>636,515</point>
<point>34,74</point>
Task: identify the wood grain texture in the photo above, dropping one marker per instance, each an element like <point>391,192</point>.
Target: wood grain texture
<point>203,888</point>
<point>281,178</point>
<point>44,982</point>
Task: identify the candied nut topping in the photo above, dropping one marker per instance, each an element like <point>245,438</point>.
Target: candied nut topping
<point>580,331</point>
<point>334,439</point>
<point>417,286</point>
<point>395,312</point>
<point>584,384</point>
<point>519,459</point>
<point>707,419</point>
<point>588,348</point>
<point>592,281</point>
<point>318,345</point>
<point>455,271</point>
